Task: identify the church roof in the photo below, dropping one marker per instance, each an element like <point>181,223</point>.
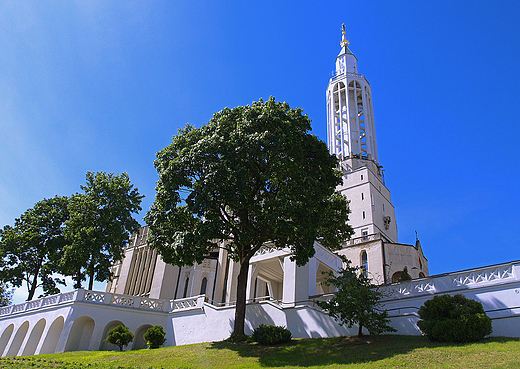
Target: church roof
<point>345,50</point>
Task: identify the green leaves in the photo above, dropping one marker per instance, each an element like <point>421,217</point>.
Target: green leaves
<point>100,225</point>
<point>31,250</point>
<point>120,336</point>
<point>356,301</point>
<point>252,174</point>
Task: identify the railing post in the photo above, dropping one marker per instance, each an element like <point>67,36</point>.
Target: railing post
<point>137,302</point>
<point>200,301</point>
<point>107,299</point>
<point>80,295</point>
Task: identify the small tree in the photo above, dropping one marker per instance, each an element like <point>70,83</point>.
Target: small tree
<point>154,337</point>
<point>120,336</point>
<point>405,276</point>
<point>454,318</point>
<point>356,301</point>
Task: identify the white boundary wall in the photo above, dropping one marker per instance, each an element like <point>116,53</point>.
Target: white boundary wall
<point>79,320</point>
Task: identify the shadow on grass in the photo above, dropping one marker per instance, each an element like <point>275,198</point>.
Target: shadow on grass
<point>334,351</point>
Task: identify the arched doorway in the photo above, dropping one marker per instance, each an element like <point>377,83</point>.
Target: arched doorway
<point>4,339</point>
<point>18,339</point>
<point>139,341</point>
<point>80,334</point>
<point>53,335</point>
<point>34,338</point>
<point>104,346</point>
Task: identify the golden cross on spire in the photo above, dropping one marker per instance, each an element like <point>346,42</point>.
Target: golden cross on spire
<point>343,41</point>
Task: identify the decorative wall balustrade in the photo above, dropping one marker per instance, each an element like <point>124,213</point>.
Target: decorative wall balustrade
<point>362,239</point>
<point>452,282</point>
<point>37,304</point>
<point>187,303</point>
<point>94,297</point>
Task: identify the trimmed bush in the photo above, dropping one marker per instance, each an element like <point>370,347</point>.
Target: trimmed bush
<point>120,336</point>
<point>271,335</point>
<point>154,337</point>
<point>454,318</point>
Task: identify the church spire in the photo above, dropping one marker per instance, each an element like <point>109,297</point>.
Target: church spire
<point>350,119</point>
<point>344,42</point>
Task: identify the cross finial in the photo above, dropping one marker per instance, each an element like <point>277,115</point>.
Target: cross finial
<point>343,41</point>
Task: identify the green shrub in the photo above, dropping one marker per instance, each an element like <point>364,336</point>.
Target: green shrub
<point>271,335</point>
<point>120,336</point>
<point>154,337</point>
<point>455,318</point>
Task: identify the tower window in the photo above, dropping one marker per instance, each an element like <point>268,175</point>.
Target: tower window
<point>383,207</point>
<point>362,196</point>
<point>363,215</point>
<point>364,262</point>
<point>362,177</point>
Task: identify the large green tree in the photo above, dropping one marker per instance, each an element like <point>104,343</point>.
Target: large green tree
<point>252,174</point>
<point>32,249</point>
<point>100,225</point>
<point>357,301</point>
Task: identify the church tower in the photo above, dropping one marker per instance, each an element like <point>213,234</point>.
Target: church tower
<point>352,138</point>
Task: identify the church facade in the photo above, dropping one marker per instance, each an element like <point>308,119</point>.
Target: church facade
<point>374,246</point>
<point>196,303</point>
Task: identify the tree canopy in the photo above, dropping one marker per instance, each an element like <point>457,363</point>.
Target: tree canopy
<point>6,295</point>
<point>356,301</point>
<point>252,174</point>
<point>100,225</point>
<point>31,250</point>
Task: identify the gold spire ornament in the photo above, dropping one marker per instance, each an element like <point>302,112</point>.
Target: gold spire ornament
<point>343,41</point>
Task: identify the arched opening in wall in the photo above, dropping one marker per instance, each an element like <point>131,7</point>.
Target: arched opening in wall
<point>421,275</point>
<point>364,262</point>
<point>186,284</point>
<point>53,335</point>
<point>203,286</point>
<point>4,339</point>
<point>80,334</point>
<point>322,273</point>
<point>139,341</point>
<point>104,346</point>
<point>396,276</point>
<point>340,127</point>
<point>34,338</point>
<point>18,339</point>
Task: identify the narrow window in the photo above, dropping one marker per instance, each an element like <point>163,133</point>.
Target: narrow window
<point>186,288</point>
<point>362,196</point>
<point>364,262</point>
<point>363,215</point>
<point>383,207</point>
<point>362,177</point>
<point>203,286</point>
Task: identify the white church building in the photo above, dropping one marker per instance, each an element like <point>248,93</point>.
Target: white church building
<point>196,303</point>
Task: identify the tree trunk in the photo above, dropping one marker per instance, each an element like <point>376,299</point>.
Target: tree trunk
<point>77,278</point>
<point>240,310</point>
<point>91,279</point>
<point>34,283</point>
<point>360,330</point>
<point>32,290</point>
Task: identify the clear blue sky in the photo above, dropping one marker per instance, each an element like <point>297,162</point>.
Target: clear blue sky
<point>103,85</point>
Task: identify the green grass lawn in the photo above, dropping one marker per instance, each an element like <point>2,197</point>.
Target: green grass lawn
<point>340,352</point>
